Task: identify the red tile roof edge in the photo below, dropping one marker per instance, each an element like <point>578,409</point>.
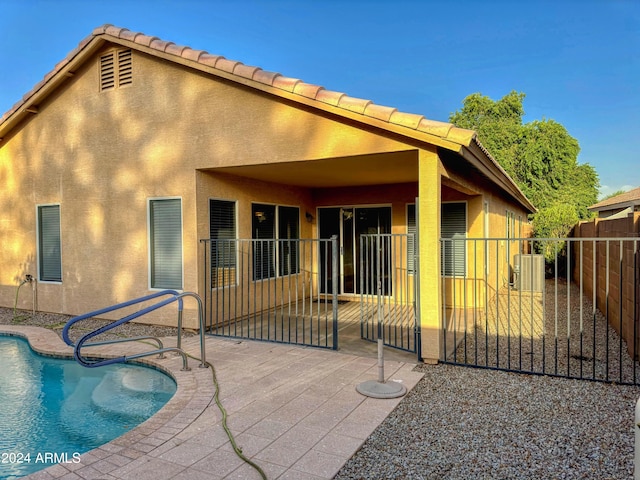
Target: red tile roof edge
<point>419,123</point>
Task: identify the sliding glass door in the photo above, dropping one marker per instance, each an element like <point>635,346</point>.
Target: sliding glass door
<point>348,224</point>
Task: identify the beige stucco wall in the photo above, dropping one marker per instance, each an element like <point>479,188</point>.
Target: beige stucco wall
<point>103,155</point>
<point>487,263</point>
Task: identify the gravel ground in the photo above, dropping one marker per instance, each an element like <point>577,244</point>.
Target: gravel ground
<point>467,423</point>
<point>56,322</point>
<point>471,423</point>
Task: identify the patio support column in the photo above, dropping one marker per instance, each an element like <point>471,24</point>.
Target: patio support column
<point>429,254</point>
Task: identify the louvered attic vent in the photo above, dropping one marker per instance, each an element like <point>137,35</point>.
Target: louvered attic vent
<point>116,70</point>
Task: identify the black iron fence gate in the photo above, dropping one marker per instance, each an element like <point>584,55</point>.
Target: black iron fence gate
<point>388,286</point>
<point>272,290</point>
<point>562,307</point>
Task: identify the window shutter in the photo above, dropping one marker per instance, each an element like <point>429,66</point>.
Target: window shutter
<point>166,243</point>
<point>49,243</point>
<point>222,220</point>
<point>411,230</point>
<point>454,231</point>
<point>263,223</point>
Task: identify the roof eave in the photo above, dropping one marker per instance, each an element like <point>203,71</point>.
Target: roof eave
<point>65,69</point>
<point>476,154</point>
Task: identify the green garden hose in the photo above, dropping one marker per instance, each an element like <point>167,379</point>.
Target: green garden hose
<point>216,397</point>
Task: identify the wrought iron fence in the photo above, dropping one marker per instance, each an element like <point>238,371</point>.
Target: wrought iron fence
<point>563,307</point>
<point>388,290</point>
<point>272,290</point>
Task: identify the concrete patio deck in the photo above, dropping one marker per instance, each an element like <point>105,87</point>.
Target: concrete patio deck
<point>293,410</point>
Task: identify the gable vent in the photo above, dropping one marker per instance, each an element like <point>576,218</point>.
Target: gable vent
<point>116,70</point>
<point>125,71</point>
<point>107,72</point>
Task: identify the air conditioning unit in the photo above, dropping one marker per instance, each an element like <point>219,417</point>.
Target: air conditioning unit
<point>528,273</point>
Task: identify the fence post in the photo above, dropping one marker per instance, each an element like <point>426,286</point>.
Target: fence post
<point>636,459</point>
<point>335,286</point>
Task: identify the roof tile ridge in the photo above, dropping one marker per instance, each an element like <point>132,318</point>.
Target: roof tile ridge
<point>159,44</point>
<point>286,83</point>
<point>174,49</point>
<point>410,120</point>
<point>143,39</point>
<point>113,30</point>
<point>358,105</point>
<point>329,96</point>
<point>227,65</point>
<point>245,71</point>
<point>209,60</point>
<point>308,90</point>
<point>381,112</point>
<point>101,29</point>
<point>266,77</point>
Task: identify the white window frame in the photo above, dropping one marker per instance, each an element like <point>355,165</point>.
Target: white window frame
<point>444,272</point>
<point>38,241</point>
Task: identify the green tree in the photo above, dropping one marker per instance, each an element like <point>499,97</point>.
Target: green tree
<point>498,124</point>
<point>540,156</point>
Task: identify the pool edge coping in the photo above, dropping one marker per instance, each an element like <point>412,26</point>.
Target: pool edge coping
<point>190,400</point>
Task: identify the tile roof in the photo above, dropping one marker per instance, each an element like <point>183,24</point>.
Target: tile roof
<point>418,123</point>
<point>630,197</point>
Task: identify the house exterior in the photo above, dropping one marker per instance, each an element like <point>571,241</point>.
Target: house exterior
<point>133,149</point>
<point>619,206</point>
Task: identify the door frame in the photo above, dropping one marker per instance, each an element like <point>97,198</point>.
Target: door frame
<point>354,244</point>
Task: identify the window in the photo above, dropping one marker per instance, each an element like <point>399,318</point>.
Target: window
<point>116,69</point>
<point>222,215</point>
<point>165,242</point>
<point>49,257</point>
<point>288,234</point>
<point>275,230</point>
<point>412,231</point>
<point>454,231</point>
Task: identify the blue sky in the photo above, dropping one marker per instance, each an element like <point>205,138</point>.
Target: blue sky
<point>577,61</point>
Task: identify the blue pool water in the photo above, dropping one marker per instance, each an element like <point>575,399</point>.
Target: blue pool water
<point>52,410</point>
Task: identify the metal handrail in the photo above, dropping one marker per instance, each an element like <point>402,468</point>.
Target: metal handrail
<point>174,297</point>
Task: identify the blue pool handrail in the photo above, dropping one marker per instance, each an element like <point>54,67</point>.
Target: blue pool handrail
<point>95,313</point>
<point>174,296</point>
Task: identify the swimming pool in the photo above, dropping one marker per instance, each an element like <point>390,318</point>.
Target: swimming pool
<point>52,410</point>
